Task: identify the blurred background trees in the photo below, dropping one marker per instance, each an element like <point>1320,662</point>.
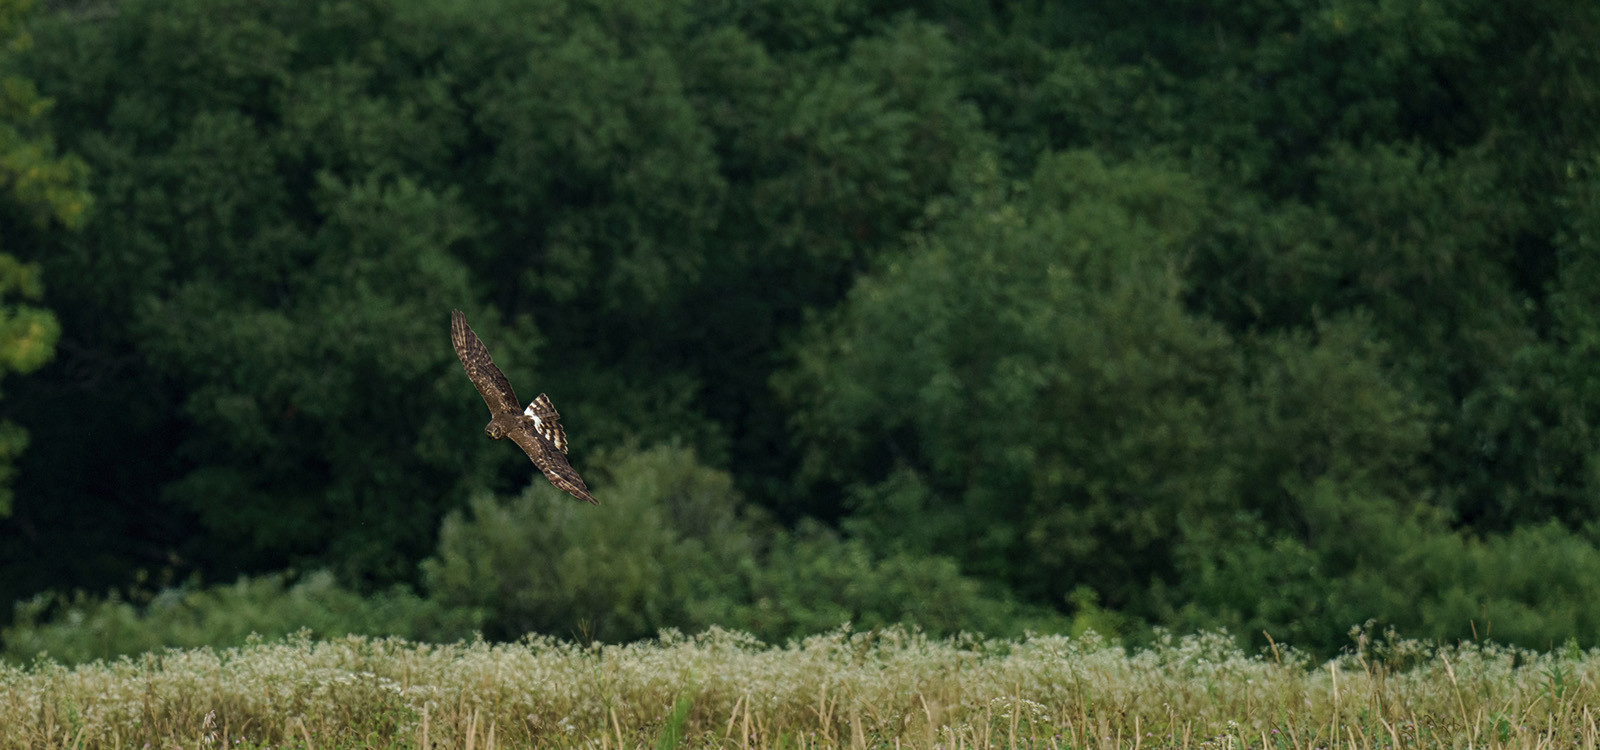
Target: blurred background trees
<point>1262,315</point>
<point>40,191</point>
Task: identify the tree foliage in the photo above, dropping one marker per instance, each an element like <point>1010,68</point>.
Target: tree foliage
<point>38,188</point>
<point>1111,310</point>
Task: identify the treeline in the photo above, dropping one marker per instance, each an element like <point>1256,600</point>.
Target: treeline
<point>1275,316</point>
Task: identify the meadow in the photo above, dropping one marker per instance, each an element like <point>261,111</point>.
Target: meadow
<point>887,688</point>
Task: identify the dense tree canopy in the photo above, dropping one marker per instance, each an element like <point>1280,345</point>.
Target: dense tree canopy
<point>1274,315</point>
<point>39,191</point>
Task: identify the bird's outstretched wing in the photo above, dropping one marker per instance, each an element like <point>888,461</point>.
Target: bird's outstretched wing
<point>547,422</point>
<point>551,461</point>
<point>488,379</point>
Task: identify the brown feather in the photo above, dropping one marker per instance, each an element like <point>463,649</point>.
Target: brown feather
<point>536,429</point>
<point>553,463</point>
<point>543,419</point>
<point>486,377</point>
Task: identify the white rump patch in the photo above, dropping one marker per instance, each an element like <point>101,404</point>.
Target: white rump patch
<point>537,422</point>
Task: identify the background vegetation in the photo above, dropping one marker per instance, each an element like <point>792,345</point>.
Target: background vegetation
<point>1277,316</point>
<point>891,688</point>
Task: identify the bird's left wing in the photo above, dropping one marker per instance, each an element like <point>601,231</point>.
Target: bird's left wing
<point>552,462</point>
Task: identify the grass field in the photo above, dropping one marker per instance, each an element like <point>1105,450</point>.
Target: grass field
<point>884,689</point>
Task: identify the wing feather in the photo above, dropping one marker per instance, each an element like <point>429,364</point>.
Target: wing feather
<point>486,377</point>
<point>552,462</point>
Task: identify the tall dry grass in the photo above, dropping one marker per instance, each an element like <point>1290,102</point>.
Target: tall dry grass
<point>884,689</point>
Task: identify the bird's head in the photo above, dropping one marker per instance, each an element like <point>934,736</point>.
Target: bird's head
<point>493,430</point>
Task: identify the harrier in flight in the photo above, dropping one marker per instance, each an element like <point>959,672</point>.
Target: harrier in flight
<point>536,429</point>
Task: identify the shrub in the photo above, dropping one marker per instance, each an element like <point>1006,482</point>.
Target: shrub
<point>812,580</point>
<point>667,548</point>
<point>1374,561</point>
<point>664,534</point>
<point>84,628</point>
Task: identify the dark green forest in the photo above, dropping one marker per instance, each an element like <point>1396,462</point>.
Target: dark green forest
<point>1275,316</point>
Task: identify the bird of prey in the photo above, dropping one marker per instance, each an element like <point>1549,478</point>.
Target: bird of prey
<point>536,429</point>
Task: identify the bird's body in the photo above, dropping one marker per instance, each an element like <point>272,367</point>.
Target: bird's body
<point>535,428</point>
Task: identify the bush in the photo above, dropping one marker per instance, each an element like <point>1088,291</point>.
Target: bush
<point>1372,560</point>
<point>813,580</point>
<point>667,549</point>
<point>84,628</point>
<point>664,535</point>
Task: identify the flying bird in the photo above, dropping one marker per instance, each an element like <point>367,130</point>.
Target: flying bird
<point>536,429</point>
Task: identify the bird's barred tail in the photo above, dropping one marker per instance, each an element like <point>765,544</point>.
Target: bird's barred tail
<point>547,422</point>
